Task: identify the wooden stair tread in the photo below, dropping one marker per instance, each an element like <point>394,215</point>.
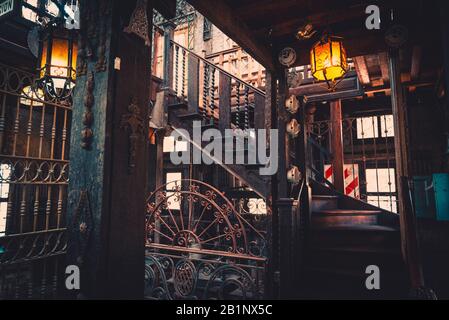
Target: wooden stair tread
<point>178,105</point>
<point>357,249</point>
<point>347,212</point>
<point>191,115</point>
<point>355,228</point>
<point>324,197</point>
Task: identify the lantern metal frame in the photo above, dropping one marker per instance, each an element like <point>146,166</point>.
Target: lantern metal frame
<point>331,83</point>
<point>46,80</point>
<point>52,27</point>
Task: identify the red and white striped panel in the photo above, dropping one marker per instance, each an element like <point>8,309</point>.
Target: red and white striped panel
<point>351,174</point>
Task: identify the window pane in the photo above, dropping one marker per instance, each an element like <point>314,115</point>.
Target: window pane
<point>387,125</point>
<point>384,202</point>
<point>257,206</point>
<point>382,182</point>
<point>367,128</point>
<point>169,144</point>
<point>3,209</point>
<point>181,146</point>
<point>173,180</point>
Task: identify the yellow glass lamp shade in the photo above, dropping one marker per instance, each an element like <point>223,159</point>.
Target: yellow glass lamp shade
<point>328,59</point>
<point>58,58</point>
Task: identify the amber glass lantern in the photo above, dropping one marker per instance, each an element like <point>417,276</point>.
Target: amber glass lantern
<point>57,61</point>
<point>328,60</point>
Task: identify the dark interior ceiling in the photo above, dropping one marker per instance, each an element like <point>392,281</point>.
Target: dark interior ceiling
<point>263,27</point>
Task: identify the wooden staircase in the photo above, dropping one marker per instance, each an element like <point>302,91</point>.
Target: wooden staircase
<point>200,91</point>
<point>344,237</point>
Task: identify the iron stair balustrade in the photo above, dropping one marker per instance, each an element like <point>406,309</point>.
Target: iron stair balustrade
<point>367,146</point>
<point>206,101</point>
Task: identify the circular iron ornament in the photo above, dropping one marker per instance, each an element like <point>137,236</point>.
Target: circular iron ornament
<point>287,56</point>
<point>396,36</point>
<point>196,216</point>
<point>185,278</point>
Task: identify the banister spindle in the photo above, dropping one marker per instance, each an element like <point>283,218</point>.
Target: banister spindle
<point>246,115</point>
<point>176,68</point>
<point>237,115</point>
<point>205,89</point>
<point>212,95</point>
<point>183,82</point>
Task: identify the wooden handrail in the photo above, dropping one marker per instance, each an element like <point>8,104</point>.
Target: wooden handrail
<point>219,69</point>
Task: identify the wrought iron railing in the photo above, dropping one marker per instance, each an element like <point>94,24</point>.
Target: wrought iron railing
<point>34,148</point>
<point>369,159</point>
<point>213,92</point>
<point>200,247</point>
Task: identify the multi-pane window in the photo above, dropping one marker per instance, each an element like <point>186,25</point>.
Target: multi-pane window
<point>375,126</point>
<point>173,180</point>
<point>5,172</point>
<point>207,30</point>
<point>172,145</point>
<point>381,188</point>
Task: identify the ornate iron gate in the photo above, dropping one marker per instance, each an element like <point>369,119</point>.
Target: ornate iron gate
<point>199,247</point>
<point>34,139</point>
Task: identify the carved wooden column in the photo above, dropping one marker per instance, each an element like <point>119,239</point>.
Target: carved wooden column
<point>337,145</point>
<point>109,148</point>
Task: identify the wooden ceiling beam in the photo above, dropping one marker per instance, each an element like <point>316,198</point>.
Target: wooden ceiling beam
<point>167,8</point>
<point>362,70</point>
<point>317,20</point>
<point>383,64</point>
<point>228,21</point>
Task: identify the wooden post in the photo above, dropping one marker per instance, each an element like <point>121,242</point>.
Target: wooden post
<point>169,30</point>
<point>284,205</point>
<point>109,153</point>
<point>444,8</point>
<point>406,217</point>
<point>337,145</point>
<point>272,278</point>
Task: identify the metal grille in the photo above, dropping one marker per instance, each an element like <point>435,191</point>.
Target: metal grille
<point>368,156</point>
<point>34,148</point>
<point>200,247</point>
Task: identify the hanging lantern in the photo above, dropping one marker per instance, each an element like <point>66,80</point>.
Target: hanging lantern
<point>328,60</point>
<point>57,61</point>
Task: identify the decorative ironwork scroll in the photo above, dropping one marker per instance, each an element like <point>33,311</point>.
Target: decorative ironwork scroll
<point>133,123</point>
<point>88,118</point>
<point>83,221</point>
<point>199,246</point>
<point>139,22</point>
<point>34,137</point>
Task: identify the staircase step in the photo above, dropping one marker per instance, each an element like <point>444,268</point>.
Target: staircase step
<point>337,283</point>
<point>209,125</point>
<point>322,202</point>
<point>337,217</point>
<point>387,259</point>
<point>178,106</point>
<point>190,116</point>
<point>348,235</point>
<point>349,212</point>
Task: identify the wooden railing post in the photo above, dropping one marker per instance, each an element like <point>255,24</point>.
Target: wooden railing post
<point>224,91</point>
<point>193,84</point>
<point>169,29</point>
<point>406,218</point>
<point>337,145</point>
